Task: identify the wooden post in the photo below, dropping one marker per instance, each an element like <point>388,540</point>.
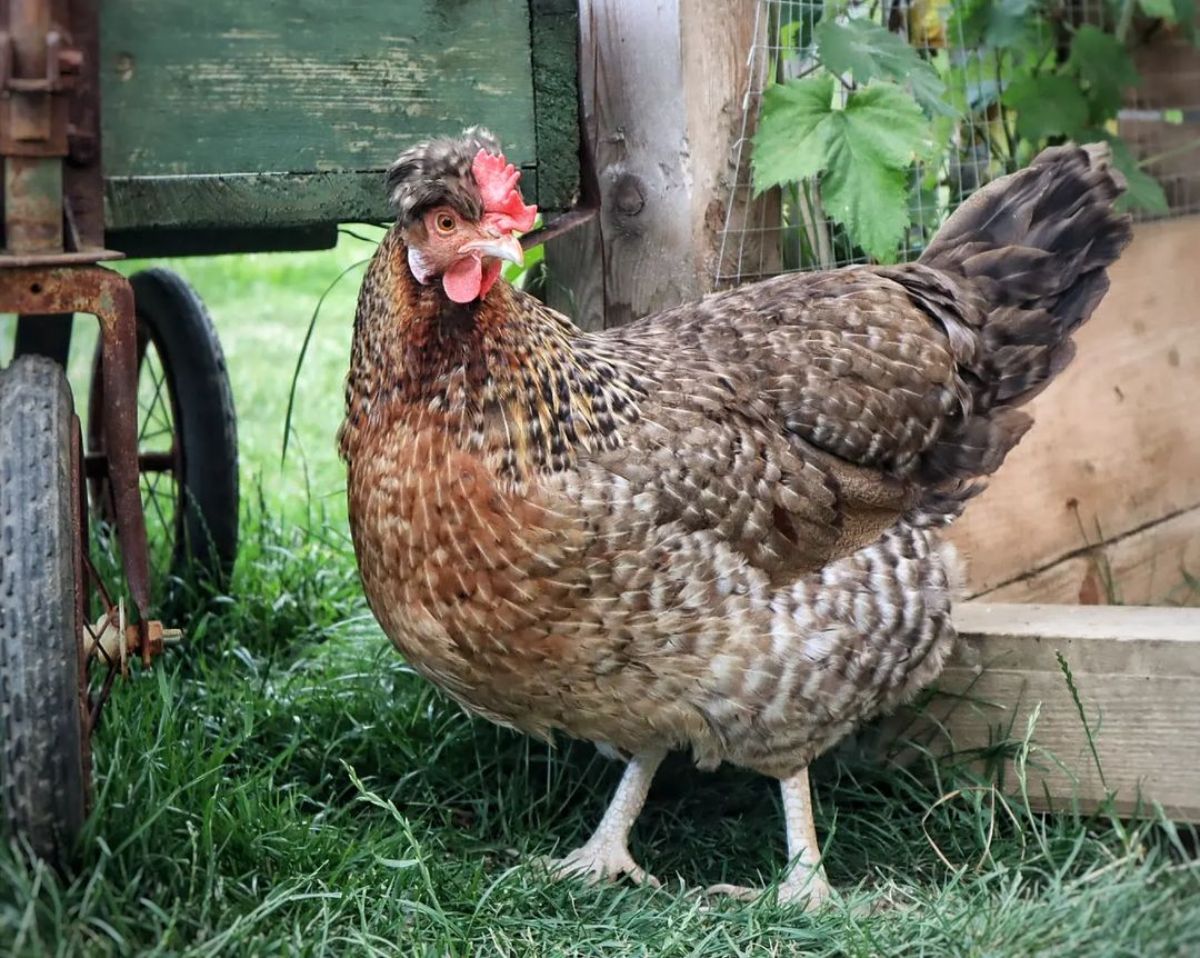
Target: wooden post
<point>663,86</point>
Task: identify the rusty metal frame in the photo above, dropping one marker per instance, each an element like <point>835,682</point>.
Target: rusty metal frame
<point>108,296</point>
<point>53,237</point>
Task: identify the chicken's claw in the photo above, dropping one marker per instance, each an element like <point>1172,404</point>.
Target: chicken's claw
<point>593,862</point>
<point>800,888</point>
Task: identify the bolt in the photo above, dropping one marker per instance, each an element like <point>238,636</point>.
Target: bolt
<point>70,61</point>
<point>124,66</point>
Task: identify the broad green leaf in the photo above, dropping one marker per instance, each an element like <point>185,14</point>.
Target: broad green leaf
<point>872,142</point>
<point>887,122</point>
<point>867,51</point>
<point>870,200</point>
<point>1101,60</point>
<point>793,129</point>
<point>1048,105</point>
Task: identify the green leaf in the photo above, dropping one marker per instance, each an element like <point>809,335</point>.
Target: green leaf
<point>1162,9</point>
<point>999,24</point>
<point>868,199</point>
<point>864,151</point>
<point>889,124</point>
<point>793,130</point>
<point>1101,60</point>
<point>1185,16</point>
<point>871,144</point>
<point>867,51</point>
<point>1144,192</point>
<point>1048,105</point>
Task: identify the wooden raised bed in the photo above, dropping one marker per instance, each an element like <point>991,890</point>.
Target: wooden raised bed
<point>1136,670</point>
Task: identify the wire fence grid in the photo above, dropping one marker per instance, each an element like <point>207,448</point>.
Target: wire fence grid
<point>787,229</point>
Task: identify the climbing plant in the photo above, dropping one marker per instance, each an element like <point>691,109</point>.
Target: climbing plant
<point>870,108</point>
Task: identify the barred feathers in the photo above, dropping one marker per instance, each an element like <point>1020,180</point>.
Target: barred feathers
<point>715,528</point>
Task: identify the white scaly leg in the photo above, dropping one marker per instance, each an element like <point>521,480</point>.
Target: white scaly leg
<point>805,881</point>
<point>606,854</point>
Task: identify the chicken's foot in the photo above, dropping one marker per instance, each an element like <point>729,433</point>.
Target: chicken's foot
<point>606,854</point>
<point>805,882</point>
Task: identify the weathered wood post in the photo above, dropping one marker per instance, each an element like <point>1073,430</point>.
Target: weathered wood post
<point>663,86</point>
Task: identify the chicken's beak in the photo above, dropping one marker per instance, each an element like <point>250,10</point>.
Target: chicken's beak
<point>500,247</point>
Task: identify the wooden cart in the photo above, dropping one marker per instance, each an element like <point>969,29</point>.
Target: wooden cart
<point>169,127</point>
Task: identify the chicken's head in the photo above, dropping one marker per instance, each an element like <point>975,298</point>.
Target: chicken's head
<point>459,210</point>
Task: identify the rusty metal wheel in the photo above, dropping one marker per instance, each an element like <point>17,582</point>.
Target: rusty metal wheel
<point>44,722</point>
<point>187,433</point>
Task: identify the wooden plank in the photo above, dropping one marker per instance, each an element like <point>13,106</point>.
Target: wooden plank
<point>1137,671</point>
<point>662,87</point>
<point>243,201</point>
<point>275,114</point>
<point>292,86</point>
<point>1115,444</point>
<point>1147,567</point>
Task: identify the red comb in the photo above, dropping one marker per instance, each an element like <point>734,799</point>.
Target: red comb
<point>502,204</point>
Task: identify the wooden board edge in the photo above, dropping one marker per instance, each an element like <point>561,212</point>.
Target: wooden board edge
<point>1134,676</point>
<point>554,41</point>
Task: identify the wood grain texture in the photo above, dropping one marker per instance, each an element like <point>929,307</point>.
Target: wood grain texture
<point>1147,567</point>
<point>1114,444</point>
<point>280,86</point>
<point>662,87</point>
<point>317,96</point>
<point>244,201</point>
<point>1137,670</point>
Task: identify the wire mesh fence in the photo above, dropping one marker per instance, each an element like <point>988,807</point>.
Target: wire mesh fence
<point>788,228</point>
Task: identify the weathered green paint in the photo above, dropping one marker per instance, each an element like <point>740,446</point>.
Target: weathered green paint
<point>297,86</point>
<point>554,28</point>
<point>246,200</point>
<point>282,113</point>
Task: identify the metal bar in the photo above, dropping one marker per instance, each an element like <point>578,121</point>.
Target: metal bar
<point>96,463</point>
<point>109,297</point>
<point>33,204</point>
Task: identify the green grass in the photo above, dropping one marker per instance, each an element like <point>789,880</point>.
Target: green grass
<point>285,784</point>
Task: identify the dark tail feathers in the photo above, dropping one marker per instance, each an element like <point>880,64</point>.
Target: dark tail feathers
<point>1033,248</point>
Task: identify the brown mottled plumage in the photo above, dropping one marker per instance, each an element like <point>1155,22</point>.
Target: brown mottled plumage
<point>714,528</point>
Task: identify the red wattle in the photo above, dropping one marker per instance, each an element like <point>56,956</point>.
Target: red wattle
<point>462,281</point>
<point>491,273</point>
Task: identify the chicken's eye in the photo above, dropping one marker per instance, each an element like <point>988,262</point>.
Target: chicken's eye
<point>444,222</point>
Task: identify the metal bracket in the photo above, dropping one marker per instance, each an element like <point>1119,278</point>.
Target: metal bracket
<point>63,65</point>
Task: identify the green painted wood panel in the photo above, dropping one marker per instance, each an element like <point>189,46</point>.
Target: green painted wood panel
<point>297,86</point>
<point>264,115</point>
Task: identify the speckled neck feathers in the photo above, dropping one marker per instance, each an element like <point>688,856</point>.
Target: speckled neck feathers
<point>504,376</point>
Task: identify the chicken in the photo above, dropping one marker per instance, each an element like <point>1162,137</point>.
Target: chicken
<point>716,528</point>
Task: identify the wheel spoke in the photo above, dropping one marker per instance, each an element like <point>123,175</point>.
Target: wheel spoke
<point>158,384</point>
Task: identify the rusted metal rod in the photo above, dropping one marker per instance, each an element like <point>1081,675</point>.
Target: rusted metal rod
<point>109,297</point>
<point>96,463</point>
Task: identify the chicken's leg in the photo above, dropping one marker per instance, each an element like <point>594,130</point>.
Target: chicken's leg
<point>805,880</point>
<point>606,853</point>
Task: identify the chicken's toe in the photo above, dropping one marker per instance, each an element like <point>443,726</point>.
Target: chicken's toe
<point>601,861</point>
<point>811,891</point>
